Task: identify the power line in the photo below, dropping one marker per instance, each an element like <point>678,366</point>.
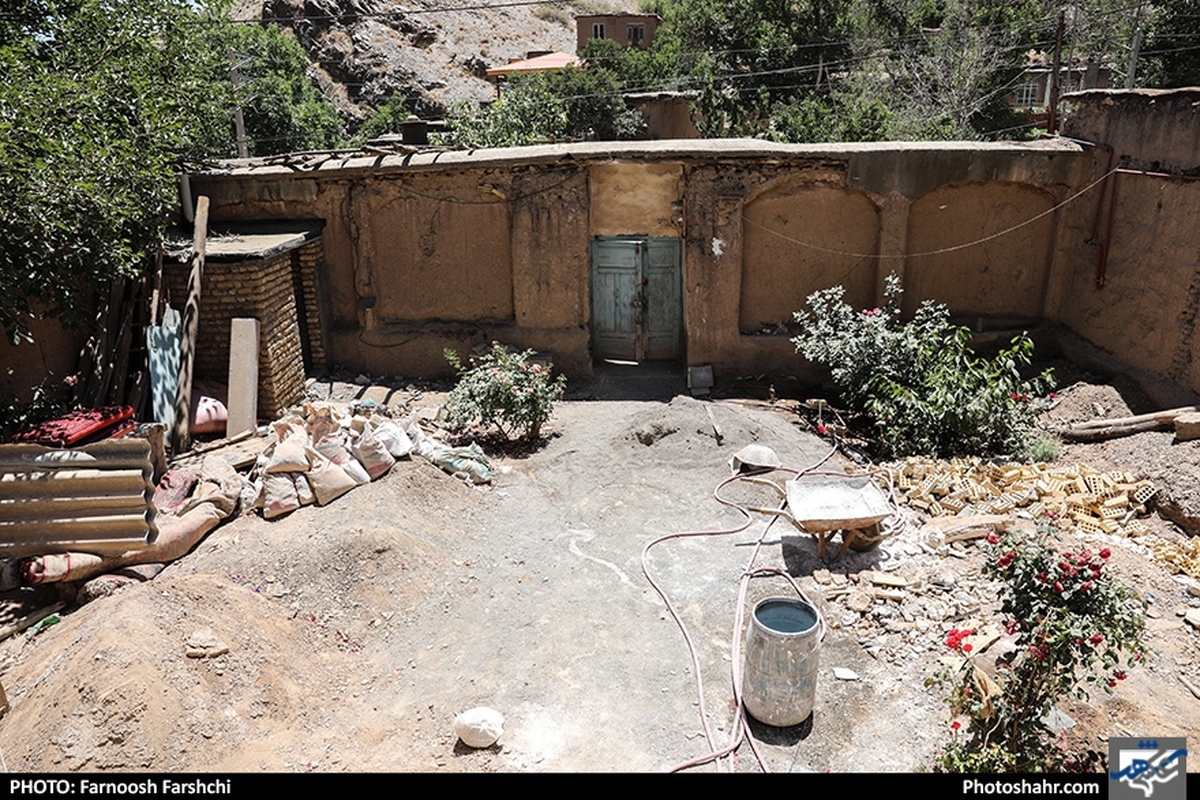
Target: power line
<point>941,250</point>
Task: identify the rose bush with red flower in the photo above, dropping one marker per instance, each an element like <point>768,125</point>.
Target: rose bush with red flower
<point>1080,630</point>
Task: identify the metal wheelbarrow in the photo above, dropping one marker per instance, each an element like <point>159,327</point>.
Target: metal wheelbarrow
<point>823,505</point>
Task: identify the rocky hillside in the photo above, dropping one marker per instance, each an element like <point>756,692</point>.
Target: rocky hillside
<point>363,52</point>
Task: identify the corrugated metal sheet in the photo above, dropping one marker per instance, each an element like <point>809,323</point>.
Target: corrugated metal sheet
<point>96,499</point>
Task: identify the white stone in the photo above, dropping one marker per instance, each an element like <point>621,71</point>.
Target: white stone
<point>843,674</point>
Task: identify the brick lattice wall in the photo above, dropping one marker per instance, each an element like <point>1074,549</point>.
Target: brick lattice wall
<point>281,293</point>
<point>307,259</point>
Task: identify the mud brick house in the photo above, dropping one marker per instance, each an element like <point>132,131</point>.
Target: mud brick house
<point>700,251</point>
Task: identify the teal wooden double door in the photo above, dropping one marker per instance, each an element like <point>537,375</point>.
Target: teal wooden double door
<point>637,299</point>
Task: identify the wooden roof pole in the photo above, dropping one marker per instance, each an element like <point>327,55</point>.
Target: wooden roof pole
<point>181,438</point>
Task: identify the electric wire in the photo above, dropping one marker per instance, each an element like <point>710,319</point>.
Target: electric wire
<point>941,250</point>
<point>739,732</point>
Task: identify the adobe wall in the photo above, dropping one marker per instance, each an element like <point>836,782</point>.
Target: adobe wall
<point>52,356</point>
<point>436,250</point>
<point>1129,251</point>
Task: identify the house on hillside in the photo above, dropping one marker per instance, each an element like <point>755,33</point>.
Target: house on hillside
<point>630,30</point>
<point>1032,94</point>
<point>543,61</point>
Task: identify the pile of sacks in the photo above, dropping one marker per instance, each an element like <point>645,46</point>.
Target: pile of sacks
<point>326,449</point>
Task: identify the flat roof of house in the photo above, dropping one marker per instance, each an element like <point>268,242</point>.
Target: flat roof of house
<point>245,242</point>
<point>375,159</point>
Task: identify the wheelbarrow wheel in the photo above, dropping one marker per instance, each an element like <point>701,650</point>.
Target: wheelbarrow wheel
<point>862,540</point>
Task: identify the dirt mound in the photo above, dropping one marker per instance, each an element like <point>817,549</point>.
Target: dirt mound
<point>115,690</point>
<point>687,428</point>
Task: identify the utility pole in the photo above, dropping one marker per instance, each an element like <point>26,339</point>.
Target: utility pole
<point>239,123</point>
<point>1137,45</point>
<point>1052,121</point>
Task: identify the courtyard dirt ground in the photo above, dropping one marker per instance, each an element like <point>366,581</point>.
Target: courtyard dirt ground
<point>356,632</point>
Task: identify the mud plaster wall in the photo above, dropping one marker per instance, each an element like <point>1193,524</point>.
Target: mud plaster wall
<point>635,199</point>
<point>432,257</point>
<point>51,356</point>
<point>1145,311</point>
<point>779,272</point>
<point>1005,275</point>
<point>416,262</point>
<point>434,247</point>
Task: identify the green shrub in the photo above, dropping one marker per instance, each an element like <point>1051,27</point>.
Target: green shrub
<point>1074,627</point>
<point>503,389</point>
<point>926,390</point>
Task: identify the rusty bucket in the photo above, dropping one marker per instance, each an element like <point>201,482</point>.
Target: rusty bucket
<point>779,679</point>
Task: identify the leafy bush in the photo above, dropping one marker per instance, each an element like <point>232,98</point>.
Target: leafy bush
<point>503,389</point>
<point>1074,626</point>
<point>924,387</point>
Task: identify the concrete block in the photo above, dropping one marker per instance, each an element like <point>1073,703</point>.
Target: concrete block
<point>243,375</point>
<point>1187,427</point>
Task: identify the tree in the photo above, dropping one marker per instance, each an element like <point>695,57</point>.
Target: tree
<point>749,56</point>
<point>101,103</point>
<point>1171,52</point>
<point>571,103</point>
<point>283,110</point>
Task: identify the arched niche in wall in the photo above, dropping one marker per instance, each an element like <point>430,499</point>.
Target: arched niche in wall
<point>802,237</point>
<point>1002,276</point>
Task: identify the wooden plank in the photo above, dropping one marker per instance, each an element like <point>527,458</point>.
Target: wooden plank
<point>243,376</point>
<point>181,437</point>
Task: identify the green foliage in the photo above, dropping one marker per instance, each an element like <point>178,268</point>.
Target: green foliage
<point>1075,628</point>
<point>51,398</point>
<point>101,103</point>
<point>283,110</point>
<point>570,103</point>
<point>504,389</point>
<point>386,119</point>
<point>98,104</point>
<point>753,56</point>
<point>1171,56</point>
<point>926,390</point>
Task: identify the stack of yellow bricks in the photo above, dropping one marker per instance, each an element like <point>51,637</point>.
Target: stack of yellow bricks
<point>1076,496</point>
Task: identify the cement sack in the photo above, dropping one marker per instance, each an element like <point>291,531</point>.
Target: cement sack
<point>479,727</point>
<point>468,463</point>
<point>392,435</point>
<point>372,454</point>
<point>279,495</point>
<point>220,485</point>
<point>289,456</point>
<point>357,472</point>
<point>334,445</point>
<point>304,490</point>
<point>329,481</point>
<point>176,536</point>
<point>324,419</point>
